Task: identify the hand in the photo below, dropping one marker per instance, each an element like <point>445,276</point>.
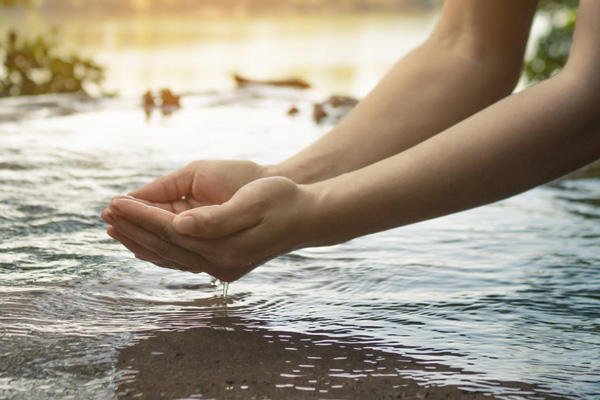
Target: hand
<point>263,219</point>
<point>199,183</point>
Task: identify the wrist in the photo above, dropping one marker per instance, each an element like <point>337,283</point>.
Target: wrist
<point>305,170</point>
<point>323,219</point>
<point>270,170</point>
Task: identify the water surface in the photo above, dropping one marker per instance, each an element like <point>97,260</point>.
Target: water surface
<point>504,299</point>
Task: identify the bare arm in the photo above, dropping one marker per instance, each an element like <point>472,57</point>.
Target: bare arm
<point>520,142</point>
<point>517,143</point>
<point>472,59</point>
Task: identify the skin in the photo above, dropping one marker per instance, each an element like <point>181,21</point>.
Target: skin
<point>418,157</point>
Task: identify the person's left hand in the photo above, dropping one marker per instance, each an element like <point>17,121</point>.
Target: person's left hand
<point>263,219</point>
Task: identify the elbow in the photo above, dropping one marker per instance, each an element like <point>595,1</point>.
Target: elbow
<point>580,83</point>
<point>584,75</point>
<point>496,69</point>
<point>500,67</point>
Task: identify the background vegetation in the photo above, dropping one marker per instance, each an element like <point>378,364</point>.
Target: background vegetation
<point>552,49</point>
<point>32,65</point>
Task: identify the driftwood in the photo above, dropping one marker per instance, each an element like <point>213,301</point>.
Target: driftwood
<point>297,83</point>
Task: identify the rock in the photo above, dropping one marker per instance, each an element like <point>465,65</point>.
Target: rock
<point>293,111</point>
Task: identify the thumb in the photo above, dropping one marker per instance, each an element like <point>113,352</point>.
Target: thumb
<point>212,222</point>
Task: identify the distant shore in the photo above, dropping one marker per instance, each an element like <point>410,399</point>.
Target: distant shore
<point>115,8</point>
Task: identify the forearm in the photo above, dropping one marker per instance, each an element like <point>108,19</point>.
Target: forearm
<point>427,91</point>
<point>518,143</point>
<point>472,59</point>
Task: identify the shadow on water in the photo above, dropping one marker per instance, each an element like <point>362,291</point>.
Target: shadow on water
<point>237,359</point>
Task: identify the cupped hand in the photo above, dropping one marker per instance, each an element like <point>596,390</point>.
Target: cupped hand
<point>263,219</point>
<point>200,183</point>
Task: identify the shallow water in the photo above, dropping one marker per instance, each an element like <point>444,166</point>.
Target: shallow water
<point>504,299</point>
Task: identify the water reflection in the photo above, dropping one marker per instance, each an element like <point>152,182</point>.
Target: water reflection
<point>236,358</point>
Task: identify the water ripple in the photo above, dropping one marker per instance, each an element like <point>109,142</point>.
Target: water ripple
<point>475,305</point>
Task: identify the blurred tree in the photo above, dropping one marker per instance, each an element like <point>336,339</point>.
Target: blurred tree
<point>32,67</point>
<point>552,49</point>
<point>13,3</point>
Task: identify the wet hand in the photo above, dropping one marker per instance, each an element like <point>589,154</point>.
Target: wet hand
<point>263,219</point>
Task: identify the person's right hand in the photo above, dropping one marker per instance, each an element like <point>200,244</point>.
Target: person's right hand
<point>200,183</point>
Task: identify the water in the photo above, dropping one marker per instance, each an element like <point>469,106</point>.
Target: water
<point>225,289</point>
<point>504,299</point>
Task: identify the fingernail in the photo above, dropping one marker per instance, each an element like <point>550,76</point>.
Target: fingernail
<point>185,225</point>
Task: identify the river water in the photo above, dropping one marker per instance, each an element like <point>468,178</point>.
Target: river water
<point>503,294</point>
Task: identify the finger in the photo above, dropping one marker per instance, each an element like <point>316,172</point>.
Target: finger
<point>107,216</point>
<point>171,265</point>
<point>137,250</point>
<point>160,223</point>
<point>218,221</point>
<point>143,254</point>
<point>179,262</point>
<point>165,206</point>
<point>180,206</point>
<point>167,189</point>
<point>141,213</point>
<point>164,249</point>
<point>175,207</point>
<point>152,219</point>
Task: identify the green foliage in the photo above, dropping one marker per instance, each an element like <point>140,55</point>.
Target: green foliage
<point>31,66</point>
<point>13,3</point>
<point>552,49</point>
<point>553,5</point>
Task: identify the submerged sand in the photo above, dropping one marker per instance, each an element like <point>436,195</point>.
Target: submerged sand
<point>236,362</point>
